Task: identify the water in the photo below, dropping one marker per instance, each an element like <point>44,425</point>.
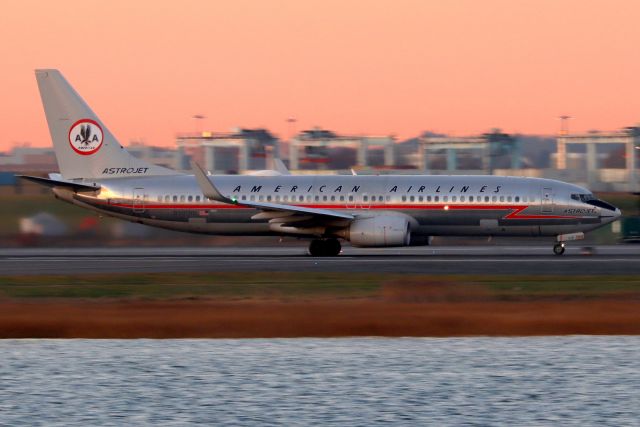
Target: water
<point>460,381</point>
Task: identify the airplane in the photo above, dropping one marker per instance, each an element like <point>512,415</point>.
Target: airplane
<point>97,173</point>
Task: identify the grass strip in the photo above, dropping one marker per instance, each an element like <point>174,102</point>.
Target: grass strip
<point>256,285</point>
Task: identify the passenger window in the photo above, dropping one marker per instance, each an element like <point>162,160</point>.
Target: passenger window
<point>351,198</point>
<point>462,198</point>
<point>412,198</point>
<point>190,198</point>
<point>454,198</point>
<point>428,198</point>
<point>333,198</point>
<point>253,197</point>
<point>159,198</point>
<point>471,198</point>
<point>260,198</point>
<point>269,198</point>
<point>342,198</point>
<point>436,199</point>
<point>502,198</point>
<point>365,198</point>
<point>243,197</point>
<point>445,199</point>
<point>277,198</point>
<point>285,198</point>
<point>494,198</point>
<point>317,198</point>
<point>486,198</point>
<point>420,199</point>
<point>175,198</point>
<point>324,198</point>
<point>404,198</point>
<point>508,198</point>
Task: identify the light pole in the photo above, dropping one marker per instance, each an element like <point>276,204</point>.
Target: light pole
<point>292,127</point>
<point>198,121</point>
<point>564,124</point>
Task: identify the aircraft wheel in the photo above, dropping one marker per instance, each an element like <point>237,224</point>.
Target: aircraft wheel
<point>558,248</point>
<point>330,247</point>
<point>315,247</point>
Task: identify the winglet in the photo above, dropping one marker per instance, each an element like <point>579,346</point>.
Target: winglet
<point>208,188</point>
<point>280,167</point>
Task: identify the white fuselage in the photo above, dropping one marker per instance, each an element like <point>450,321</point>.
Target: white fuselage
<point>436,205</point>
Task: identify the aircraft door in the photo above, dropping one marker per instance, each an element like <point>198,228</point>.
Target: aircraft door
<point>546,205</point>
<point>138,200</point>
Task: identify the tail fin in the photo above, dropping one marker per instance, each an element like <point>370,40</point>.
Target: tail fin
<point>84,146</point>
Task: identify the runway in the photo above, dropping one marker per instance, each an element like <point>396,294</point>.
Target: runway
<point>508,260</point>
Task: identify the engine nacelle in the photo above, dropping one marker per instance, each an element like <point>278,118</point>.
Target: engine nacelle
<point>383,230</point>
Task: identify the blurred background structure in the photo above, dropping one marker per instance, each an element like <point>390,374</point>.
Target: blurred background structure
<point>602,161</point>
<point>321,149</point>
<point>239,151</point>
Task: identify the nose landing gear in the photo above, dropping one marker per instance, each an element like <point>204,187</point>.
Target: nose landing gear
<point>558,248</point>
<point>324,247</point>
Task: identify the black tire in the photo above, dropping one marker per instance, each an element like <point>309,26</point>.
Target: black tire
<point>329,247</point>
<point>558,249</point>
<point>333,247</point>
<point>316,247</point>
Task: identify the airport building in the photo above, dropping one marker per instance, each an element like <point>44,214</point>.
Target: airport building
<point>236,152</point>
<point>474,154</point>
<point>602,160</point>
<point>321,149</point>
<point>37,158</point>
<point>161,156</point>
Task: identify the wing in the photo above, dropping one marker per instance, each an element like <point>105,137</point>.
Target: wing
<point>284,215</point>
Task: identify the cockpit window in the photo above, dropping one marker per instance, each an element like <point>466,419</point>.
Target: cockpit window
<point>591,200</point>
<point>583,197</point>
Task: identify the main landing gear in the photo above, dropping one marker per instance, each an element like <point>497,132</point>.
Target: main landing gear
<point>324,247</point>
<point>558,248</point>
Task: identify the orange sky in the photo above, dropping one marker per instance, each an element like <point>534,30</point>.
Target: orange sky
<point>384,67</point>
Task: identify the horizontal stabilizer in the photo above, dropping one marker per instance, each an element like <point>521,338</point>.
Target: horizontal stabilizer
<point>59,183</point>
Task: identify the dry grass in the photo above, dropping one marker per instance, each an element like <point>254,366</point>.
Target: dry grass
<point>358,317</point>
<point>238,305</point>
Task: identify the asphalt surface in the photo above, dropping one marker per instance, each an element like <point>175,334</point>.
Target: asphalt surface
<point>523,260</point>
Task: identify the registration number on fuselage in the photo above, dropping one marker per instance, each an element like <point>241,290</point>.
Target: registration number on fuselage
<point>581,211</point>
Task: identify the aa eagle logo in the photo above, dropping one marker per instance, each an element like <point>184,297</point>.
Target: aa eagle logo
<point>85,136</point>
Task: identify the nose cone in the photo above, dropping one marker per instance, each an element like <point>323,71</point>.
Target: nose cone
<point>617,214</point>
<point>610,215</point>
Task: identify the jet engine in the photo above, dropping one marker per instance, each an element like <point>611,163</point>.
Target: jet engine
<point>383,230</point>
